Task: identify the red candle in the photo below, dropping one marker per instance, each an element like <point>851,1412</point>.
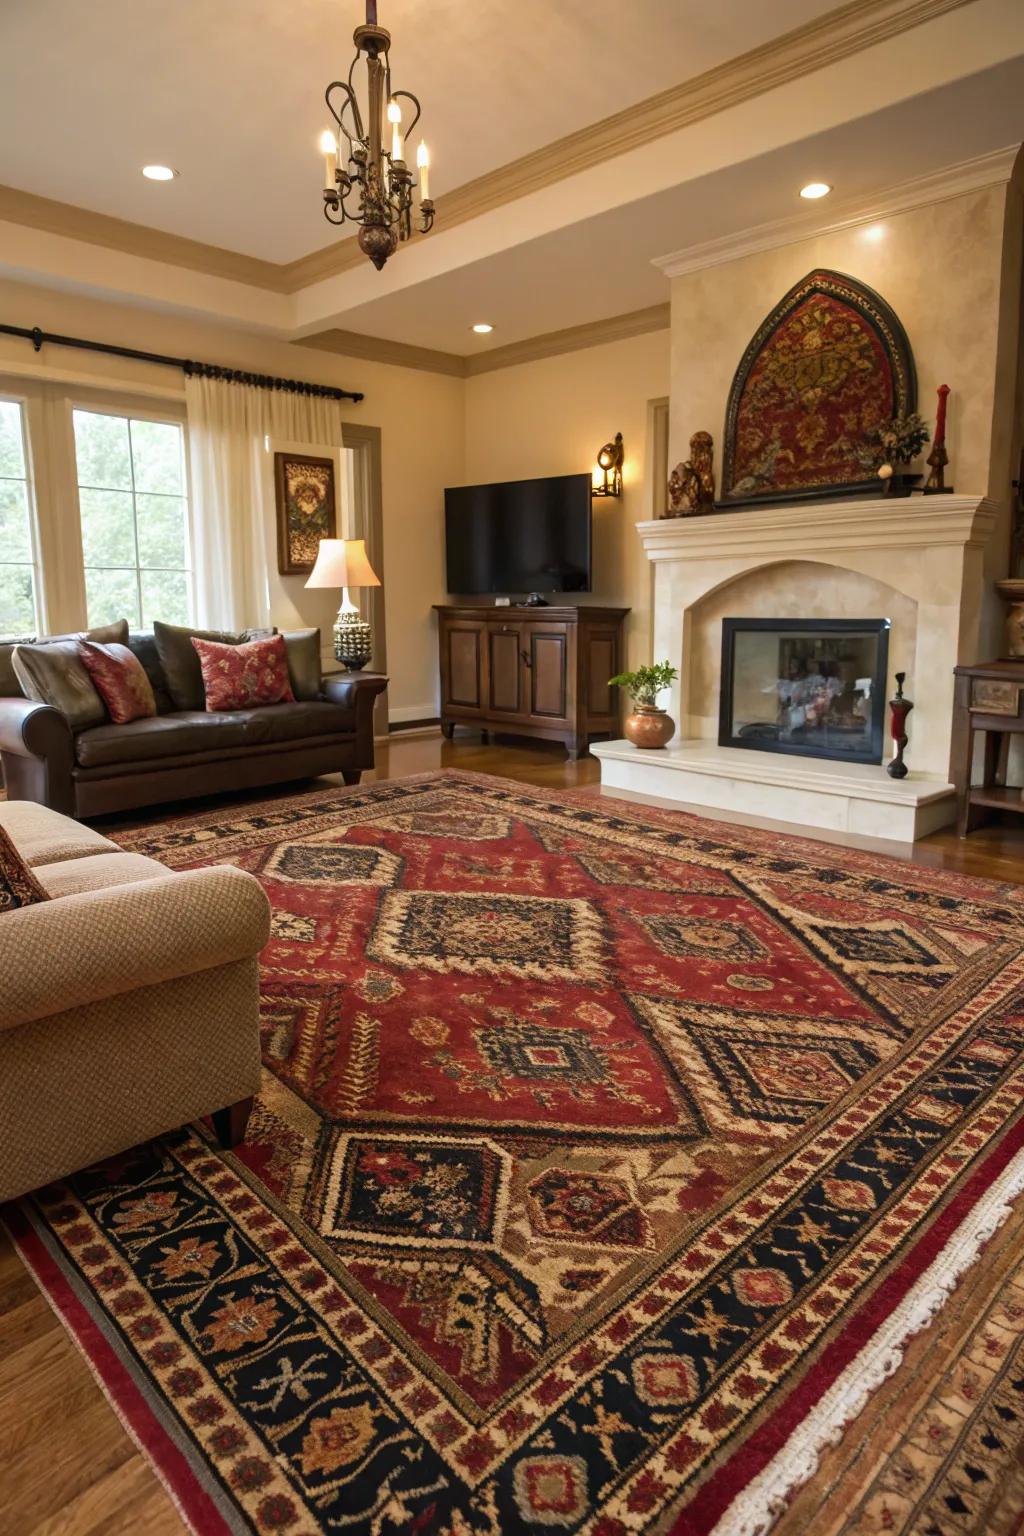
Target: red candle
<point>940,418</point>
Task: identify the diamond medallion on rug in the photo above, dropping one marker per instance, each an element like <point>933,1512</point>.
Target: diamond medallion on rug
<point>605,1157</point>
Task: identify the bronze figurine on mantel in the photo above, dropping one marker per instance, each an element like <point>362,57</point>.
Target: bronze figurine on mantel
<point>691,485</point>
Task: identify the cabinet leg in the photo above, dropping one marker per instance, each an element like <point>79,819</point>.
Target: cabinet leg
<point>448,729</point>
<point>229,1124</point>
<point>577,749</point>
<point>351,775</point>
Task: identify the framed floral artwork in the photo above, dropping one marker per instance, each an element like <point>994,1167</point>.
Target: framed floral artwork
<point>306,509</point>
<point>826,368</point>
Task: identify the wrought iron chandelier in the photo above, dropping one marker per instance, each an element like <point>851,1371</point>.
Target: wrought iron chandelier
<point>356,157</point>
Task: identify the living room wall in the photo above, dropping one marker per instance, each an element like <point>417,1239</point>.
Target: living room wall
<point>951,272</point>
<point>420,416</point>
<point>550,417</point>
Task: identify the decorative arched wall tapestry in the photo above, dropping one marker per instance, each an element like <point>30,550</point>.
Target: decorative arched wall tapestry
<point>827,366</point>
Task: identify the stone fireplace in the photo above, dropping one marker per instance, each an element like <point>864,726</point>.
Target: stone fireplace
<point>910,569</point>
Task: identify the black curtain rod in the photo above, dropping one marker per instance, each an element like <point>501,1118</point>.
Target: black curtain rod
<point>187,365</point>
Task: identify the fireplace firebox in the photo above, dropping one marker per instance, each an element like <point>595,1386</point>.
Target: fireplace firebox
<point>810,687</point>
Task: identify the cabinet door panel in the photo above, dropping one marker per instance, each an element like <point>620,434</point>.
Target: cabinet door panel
<point>601,659</point>
<point>548,669</point>
<point>465,685</point>
<point>505,670</point>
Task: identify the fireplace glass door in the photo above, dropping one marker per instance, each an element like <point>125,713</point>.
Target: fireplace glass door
<point>814,687</point>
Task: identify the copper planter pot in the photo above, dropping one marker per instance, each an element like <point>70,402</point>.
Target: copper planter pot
<point>647,727</point>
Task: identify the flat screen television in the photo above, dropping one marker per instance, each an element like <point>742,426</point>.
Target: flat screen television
<point>519,536</point>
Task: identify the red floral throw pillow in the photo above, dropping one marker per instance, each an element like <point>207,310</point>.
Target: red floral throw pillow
<point>120,680</point>
<point>18,885</point>
<point>247,676</point>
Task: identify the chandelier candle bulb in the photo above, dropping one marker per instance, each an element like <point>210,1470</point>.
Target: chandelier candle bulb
<point>423,166</point>
<point>395,119</point>
<point>329,150</point>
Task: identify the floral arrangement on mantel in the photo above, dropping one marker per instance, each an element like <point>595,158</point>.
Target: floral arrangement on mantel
<point>894,443</point>
<point>648,726</point>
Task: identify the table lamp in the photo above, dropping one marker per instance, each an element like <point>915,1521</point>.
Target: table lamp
<point>343,563</point>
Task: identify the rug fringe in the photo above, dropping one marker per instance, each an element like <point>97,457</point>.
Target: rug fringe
<point>755,1509</point>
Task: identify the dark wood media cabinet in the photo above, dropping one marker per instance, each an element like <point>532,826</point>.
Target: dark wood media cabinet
<point>540,672</point>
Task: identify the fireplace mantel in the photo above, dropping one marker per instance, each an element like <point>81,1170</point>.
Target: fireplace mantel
<point>824,527</point>
<point>923,554</point>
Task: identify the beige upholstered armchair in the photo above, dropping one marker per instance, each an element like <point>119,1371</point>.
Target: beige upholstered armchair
<point>128,1001</point>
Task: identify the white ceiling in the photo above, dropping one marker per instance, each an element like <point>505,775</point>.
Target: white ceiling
<point>230,93</point>
<point>602,266</point>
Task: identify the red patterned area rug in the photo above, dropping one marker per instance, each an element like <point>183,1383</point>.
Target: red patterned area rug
<point>606,1161</point>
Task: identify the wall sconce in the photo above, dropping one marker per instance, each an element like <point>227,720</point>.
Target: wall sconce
<point>607,476</point>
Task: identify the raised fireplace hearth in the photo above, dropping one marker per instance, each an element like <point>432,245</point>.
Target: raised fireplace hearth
<point>913,564</point>
<point>806,687</point>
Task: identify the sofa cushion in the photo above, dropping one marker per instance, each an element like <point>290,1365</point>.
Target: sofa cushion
<point>18,885</point>
<point>55,674</point>
<point>43,836</point>
<point>120,680</point>
<point>192,731</point>
<point>302,721</point>
<point>181,664</point>
<point>97,872</point>
<point>10,688</point>
<point>249,676</point>
<point>176,735</point>
<point>303,647</point>
<point>142,643</point>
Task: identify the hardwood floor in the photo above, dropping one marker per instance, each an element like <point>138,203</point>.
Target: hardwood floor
<point>68,1467</point>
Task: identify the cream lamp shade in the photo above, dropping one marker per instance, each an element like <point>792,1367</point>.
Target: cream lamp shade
<point>342,563</point>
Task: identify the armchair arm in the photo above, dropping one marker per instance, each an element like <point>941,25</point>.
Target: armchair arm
<point>80,949</point>
<point>37,749</point>
<point>358,692</point>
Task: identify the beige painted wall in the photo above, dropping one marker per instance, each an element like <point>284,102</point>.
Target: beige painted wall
<point>420,416</point>
<point>951,272</point>
<point>550,417</point>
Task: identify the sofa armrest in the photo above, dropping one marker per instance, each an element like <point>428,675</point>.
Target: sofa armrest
<point>79,949</point>
<point>38,753</point>
<point>358,692</point>
<point>32,730</point>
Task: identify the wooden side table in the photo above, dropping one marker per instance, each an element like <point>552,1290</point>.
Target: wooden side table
<point>989,698</point>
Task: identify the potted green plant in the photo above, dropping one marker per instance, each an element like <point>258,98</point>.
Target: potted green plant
<point>894,444</point>
<point>648,725</point>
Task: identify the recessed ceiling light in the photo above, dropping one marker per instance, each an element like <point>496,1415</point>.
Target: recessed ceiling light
<point>482,328</point>
<point>815,189</point>
<point>158,173</point>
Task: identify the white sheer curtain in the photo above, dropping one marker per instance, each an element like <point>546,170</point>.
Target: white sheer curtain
<point>233,525</point>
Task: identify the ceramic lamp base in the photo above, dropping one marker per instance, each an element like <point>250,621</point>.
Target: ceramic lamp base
<point>353,641</point>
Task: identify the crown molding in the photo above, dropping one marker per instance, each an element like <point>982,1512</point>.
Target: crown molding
<point>848,30</point>
<point>377,349</point>
<point>574,338</point>
<point>840,33</point>
<point>935,187</point>
<point>74,223</point>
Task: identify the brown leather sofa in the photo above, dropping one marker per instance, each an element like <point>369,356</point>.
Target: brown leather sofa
<point>82,765</point>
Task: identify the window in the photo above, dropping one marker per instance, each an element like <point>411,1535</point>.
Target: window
<point>17,555</point>
<point>135,530</point>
